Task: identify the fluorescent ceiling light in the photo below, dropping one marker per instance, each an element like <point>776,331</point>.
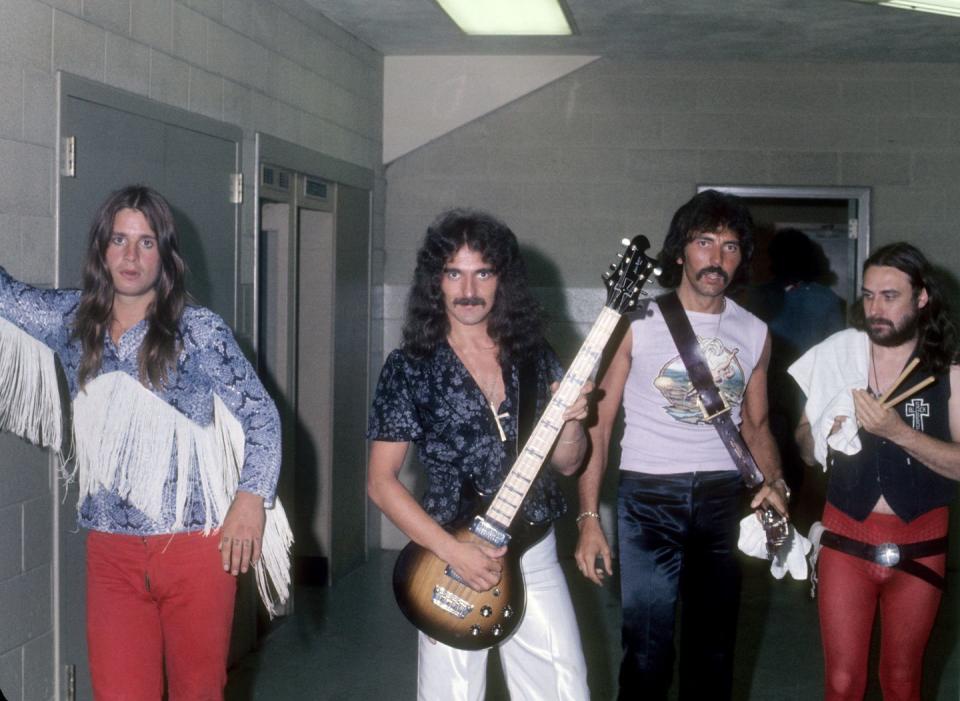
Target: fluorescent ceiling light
<point>940,7</point>
<point>517,17</point>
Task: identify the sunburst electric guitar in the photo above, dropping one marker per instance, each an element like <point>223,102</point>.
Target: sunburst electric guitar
<point>429,592</point>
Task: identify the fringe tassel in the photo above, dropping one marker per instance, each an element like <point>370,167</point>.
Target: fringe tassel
<point>273,569</point>
<point>138,433</point>
<point>30,398</point>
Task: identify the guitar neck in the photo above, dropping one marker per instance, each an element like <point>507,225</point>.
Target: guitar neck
<point>508,499</point>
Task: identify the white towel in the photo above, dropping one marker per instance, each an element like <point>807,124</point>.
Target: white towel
<point>827,373</point>
<point>790,557</point>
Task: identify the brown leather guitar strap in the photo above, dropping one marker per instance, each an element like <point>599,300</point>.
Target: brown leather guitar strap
<point>715,411</point>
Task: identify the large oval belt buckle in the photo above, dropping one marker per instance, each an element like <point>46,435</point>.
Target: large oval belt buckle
<point>887,554</point>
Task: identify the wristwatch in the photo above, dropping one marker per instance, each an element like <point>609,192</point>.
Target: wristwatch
<point>786,487</point>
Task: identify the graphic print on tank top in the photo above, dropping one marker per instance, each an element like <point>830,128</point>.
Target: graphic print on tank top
<point>674,384</point>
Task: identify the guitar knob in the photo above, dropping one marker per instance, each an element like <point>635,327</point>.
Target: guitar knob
<point>497,630</point>
<point>486,612</point>
<point>474,630</point>
<point>496,591</point>
<point>508,611</point>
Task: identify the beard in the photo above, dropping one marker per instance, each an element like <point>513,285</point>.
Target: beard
<point>884,332</point>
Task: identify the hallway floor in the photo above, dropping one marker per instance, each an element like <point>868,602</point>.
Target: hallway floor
<point>350,642</point>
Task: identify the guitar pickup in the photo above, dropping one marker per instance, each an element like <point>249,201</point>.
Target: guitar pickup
<point>452,574</point>
<point>451,603</point>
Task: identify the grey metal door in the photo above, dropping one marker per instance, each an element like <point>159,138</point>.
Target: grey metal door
<point>351,351</point>
<point>121,139</point>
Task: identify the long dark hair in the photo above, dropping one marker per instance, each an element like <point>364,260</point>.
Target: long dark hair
<point>709,210</point>
<point>937,338</point>
<point>514,322</point>
<point>158,354</point>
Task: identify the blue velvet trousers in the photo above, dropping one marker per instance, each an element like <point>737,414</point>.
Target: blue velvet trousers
<point>678,540</point>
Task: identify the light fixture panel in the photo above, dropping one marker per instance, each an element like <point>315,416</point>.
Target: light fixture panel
<point>940,7</point>
<point>508,17</point>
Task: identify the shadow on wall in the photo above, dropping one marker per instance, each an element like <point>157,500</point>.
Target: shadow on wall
<point>192,251</point>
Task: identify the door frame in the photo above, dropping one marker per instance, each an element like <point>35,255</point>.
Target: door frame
<point>858,228</point>
<point>284,155</point>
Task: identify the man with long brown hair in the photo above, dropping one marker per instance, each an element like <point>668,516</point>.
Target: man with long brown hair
<point>893,466</point>
<point>174,438</point>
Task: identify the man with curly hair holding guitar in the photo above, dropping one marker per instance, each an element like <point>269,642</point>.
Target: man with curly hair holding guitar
<point>472,338</point>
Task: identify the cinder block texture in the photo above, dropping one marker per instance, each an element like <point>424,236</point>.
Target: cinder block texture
<point>276,66</point>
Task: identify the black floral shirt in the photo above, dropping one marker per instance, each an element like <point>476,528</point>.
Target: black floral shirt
<point>436,404</point>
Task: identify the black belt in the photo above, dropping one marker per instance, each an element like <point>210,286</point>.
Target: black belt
<point>898,557</point>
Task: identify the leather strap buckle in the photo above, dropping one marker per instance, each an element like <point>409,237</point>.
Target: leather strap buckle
<point>708,417</point>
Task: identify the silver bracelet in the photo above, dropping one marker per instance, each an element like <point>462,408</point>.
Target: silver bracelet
<point>587,514</point>
<point>576,440</point>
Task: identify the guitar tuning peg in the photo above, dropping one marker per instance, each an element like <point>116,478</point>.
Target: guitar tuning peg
<point>605,275</point>
<point>657,271</point>
<point>644,293</point>
<point>624,242</point>
<point>619,255</point>
<point>613,267</point>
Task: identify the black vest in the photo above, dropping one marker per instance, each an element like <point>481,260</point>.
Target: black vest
<point>883,468</point>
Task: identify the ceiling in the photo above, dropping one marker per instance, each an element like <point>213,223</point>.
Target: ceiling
<point>695,30</point>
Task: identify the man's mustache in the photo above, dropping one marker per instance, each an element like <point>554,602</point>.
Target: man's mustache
<point>879,321</point>
<point>469,301</point>
<point>714,269</point>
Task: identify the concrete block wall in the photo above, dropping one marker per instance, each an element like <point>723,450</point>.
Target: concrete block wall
<point>275,66</point>
<point>614,148</point>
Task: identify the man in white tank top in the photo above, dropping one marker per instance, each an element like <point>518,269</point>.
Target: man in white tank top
<point>680,495</point>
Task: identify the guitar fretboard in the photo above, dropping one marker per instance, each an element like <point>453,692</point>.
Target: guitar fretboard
<point>507,500</point>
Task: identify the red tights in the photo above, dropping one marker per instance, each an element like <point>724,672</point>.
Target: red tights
<point>850,589</point>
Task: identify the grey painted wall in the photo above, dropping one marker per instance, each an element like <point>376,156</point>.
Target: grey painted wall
<point>617,146</point>
<point>275,66</point>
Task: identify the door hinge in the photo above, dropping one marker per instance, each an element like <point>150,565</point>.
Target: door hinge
<point>68,157</point>
<point>71,674</point>
<point>236,188</point>
<point>853,229</point>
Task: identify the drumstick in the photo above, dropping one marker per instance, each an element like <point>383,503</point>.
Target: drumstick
<point>896,383</point>
<point>903,395</point>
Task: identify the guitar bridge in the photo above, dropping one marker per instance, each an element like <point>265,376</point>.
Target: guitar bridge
<point>451,603</point>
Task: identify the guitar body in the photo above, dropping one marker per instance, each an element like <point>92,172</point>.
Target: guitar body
<point>448,610</point>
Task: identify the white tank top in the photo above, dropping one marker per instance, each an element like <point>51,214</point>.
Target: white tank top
<point>665,432</point>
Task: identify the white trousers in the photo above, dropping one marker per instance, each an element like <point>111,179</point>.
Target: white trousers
<point>542,660</point>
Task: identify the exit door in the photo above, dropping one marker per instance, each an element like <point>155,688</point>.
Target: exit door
<point>296,263</point>
<point>313,320</point>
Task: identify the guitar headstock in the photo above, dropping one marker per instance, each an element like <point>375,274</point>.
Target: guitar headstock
<point>626,278</point>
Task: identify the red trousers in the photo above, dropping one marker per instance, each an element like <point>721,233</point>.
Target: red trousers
<point>849,591</point>
<point>153,603</point>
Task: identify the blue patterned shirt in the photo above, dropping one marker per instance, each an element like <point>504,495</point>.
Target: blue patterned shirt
<point>210,363</point>
<point>436,404</point>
